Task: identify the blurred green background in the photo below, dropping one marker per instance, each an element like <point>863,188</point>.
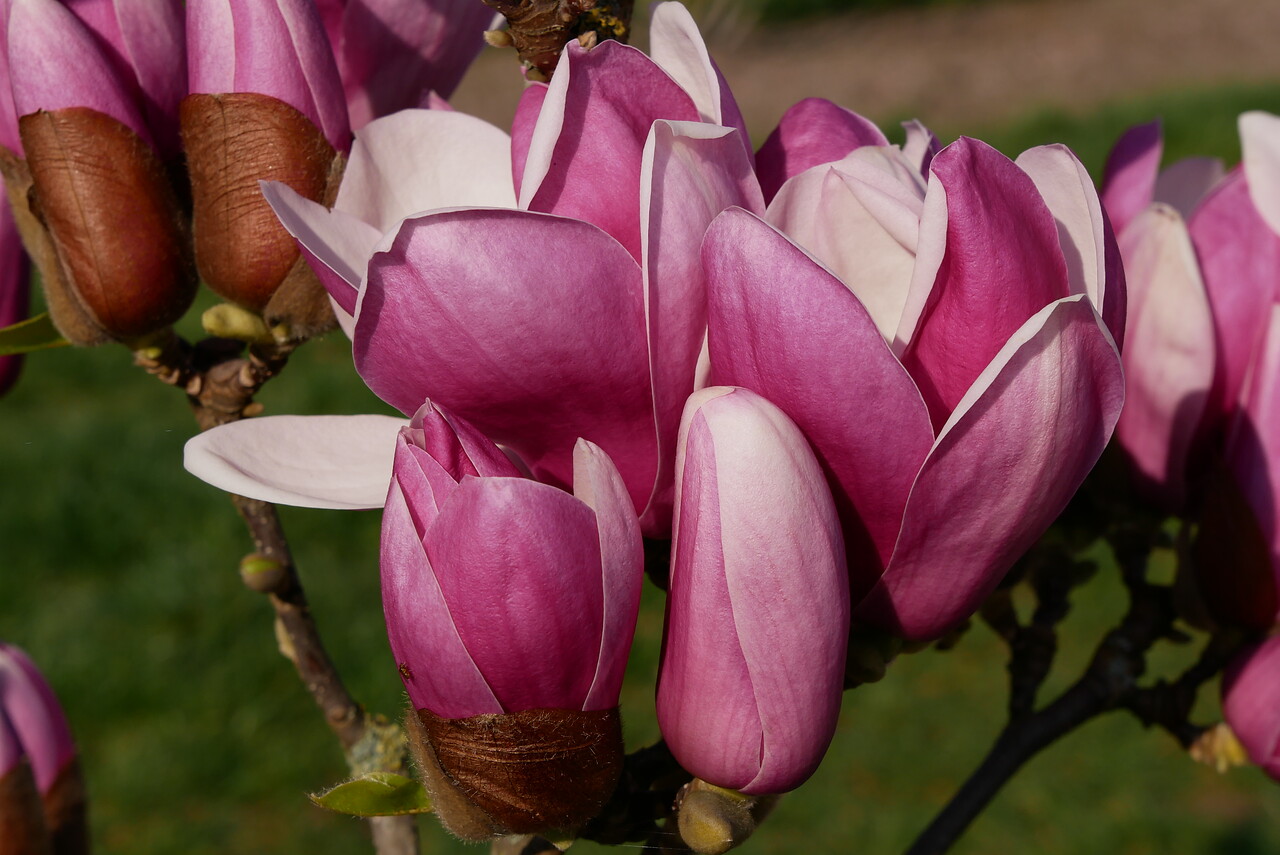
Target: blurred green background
<point>118,575</point>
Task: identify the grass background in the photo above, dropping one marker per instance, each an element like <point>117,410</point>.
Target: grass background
<point>118,575</point>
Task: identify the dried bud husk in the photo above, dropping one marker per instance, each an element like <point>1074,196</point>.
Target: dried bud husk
<point>66,812</point>
<point>100,218</point>
<point>517,773</point>
<point>712,820</point>
<point>233,141</point>
<point>22,828</point>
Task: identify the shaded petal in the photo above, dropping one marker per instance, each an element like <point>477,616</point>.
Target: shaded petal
<point>519,565</point>
<point>15,290</point>
<point>814,131</point>
<point>437,670</point>
<point>597,484</point>
<point>1239,256</point>
<point>1067,189</point>
<point>1004,467</point>
<point>1260,155</point>
<point>690,173</point>
<point>1002,264</point>
<point>921,145</point>
<point>1184,184</point>
<point>530,327</point>
<point>28,702</point>
<point>1129,179</point>
<point>599,109</point>
<point>862,221</point>
<point>457,446</point>
<point>1168,361</point>
<point>417,160</point>
<point>1251,701</point>
<point>782,326</point>
<point>307,461</point>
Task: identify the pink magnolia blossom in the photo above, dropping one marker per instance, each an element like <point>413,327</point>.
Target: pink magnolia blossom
<point>758,611</point>
<point>572,305</point>
<point>32,712</point>
<point>270,47</point>
<point>393,53</point>
<point>1251,703</point>
<point>502,594</point>
<point>938,344</point>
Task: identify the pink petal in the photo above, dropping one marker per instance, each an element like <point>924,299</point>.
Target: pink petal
<point>598,109</point>
<point>56,62</point>
<point>1184,184</point>
<point>33,711</point>
<point>597,484</point>
<point>1129,181</point>
<point>457,446</point>
<point>1003,468</point>
<point>860,218</point>
<point>1067,189</point>
<point>519,565</point>
<point>530,327</point>
<point>10,749</point>
<point>788,330</point>
<point>1239,256</point>
<point>921,145</point>
<point>522,128</point>
<point>1168,361</point>
<point>392,52</point>
<point>15,291</point>
<point>1260,152</point>
<point>814,131</point>
<point>438,672</point>
<point>1002,264</point>
<point>307,461</point>
<point>1250,701</point>
<point>690,173</point>
<point>418,160</point>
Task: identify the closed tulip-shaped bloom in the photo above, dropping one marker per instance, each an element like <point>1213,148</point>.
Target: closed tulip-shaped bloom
<point>510,609</point>
<point>93,197</point>
<point>30,711</point>
<point>938,344</point>
<point>758,611</point>
<point>1251,703</point>
<point>266,103</point>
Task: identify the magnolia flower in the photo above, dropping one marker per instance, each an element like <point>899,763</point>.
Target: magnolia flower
<point>513,599</point>
<point>568,306</point>
<point>392,53</point>
<point>1251,703</point>
<point>758,611</point>
<point>937,342</point>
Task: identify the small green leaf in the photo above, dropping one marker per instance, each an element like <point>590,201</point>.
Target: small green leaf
<point>36,333</point>
<point>376,794</point>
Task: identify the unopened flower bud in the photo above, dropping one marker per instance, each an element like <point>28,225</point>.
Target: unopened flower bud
<point>1251,703</point>
<point>712,820</point>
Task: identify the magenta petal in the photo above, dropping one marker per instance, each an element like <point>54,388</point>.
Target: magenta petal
<point>706,703</point>
<point>457,446</point>
<point>10,749</point>
<point>56,62</point>
<point>596,484</point>
<point>15,291</point>
<point>1001,265</point>
<point>437,670</point>
<point>1168,361</point>
<point>1184,184</point>
<point>812,132</point>
<point>519,565</point>
<point>1239,256</point>
<point>1251,703</point>
<point>1129,180</point>
<point>691,173</point>
<point>35,715</point>
<point>392,52</point>
<point>528,326</point>
<point>609,98</point>
<point>782,326</point>
<point>522,125</point>
<point>1004,467</point>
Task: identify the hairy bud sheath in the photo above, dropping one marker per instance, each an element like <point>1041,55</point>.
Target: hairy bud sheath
<point>233,141</point>
<point>518,773</point>
<point>22,828</point>
<point>100,218</point>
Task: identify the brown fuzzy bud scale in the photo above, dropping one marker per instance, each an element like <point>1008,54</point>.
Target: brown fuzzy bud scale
<point>233,141</point>
<point>22,828</point>
<point>66,812</point>
<point>518,773</point>
<point>115,256</point>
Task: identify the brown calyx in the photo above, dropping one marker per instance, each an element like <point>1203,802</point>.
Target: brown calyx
<point>22,828</point>
<point>100,218</point>
<point>66,812</point>
<point>232,142</point>
<point>518,773</point>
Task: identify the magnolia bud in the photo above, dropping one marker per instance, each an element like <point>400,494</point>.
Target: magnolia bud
<point>1251,703</point>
